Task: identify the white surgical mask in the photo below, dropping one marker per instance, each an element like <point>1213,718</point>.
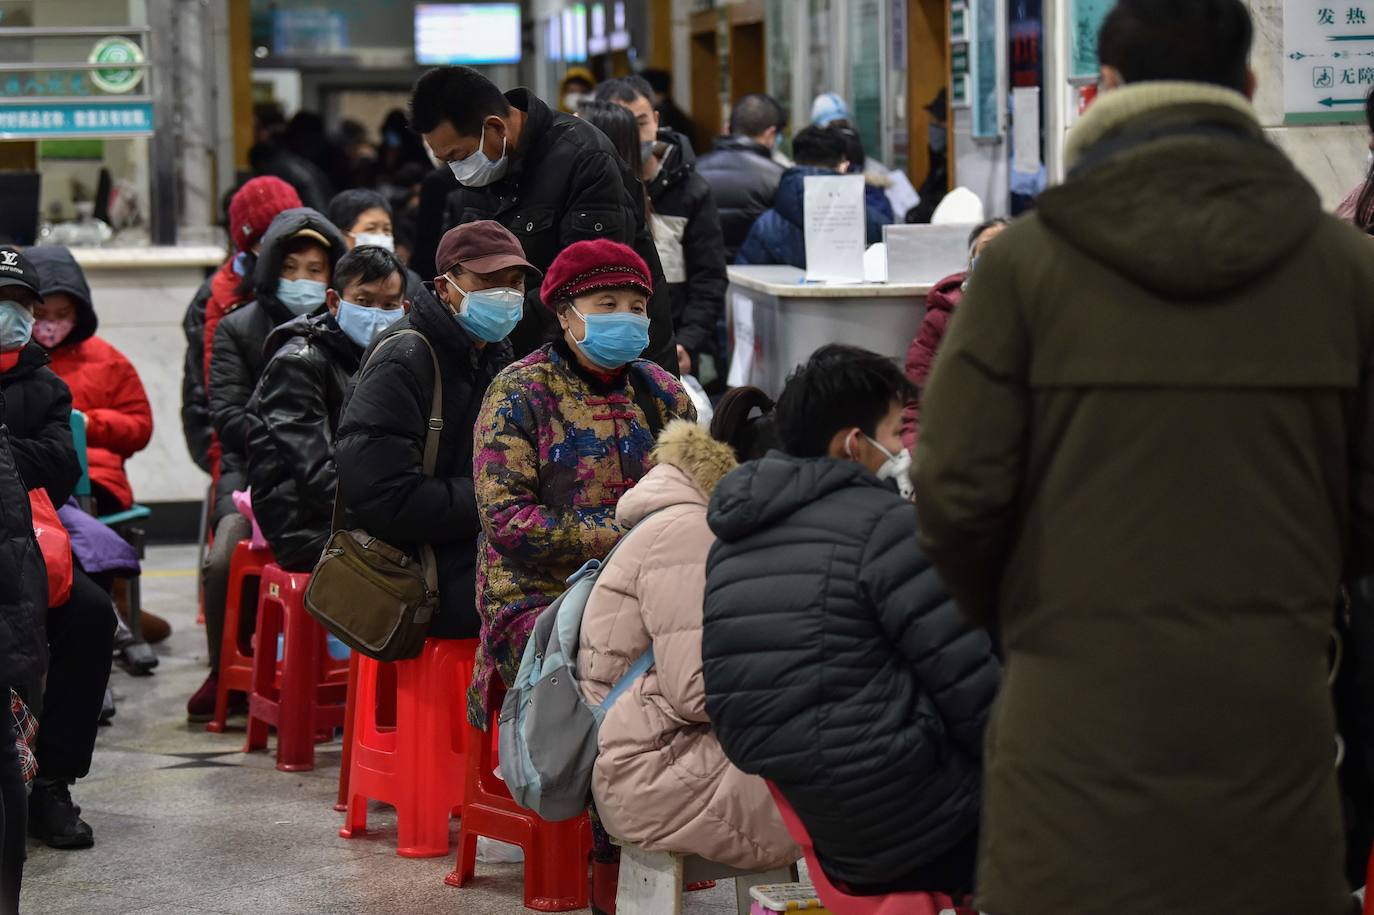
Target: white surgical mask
<point>477,170</point>
<point>572,100</point>
<point>897,467</point>
<point>380,239</point>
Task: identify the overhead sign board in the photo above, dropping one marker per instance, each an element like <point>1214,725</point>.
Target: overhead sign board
<point>91,119</point>
<point>1328,60</point>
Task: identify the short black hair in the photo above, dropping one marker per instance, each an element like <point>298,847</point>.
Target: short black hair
<point>459,95</point>
<point>820,147</point>
<point>839,387</point>
<point>853,148</point>
<point>661,80</point>
<point>348,205</point>
<point>625,89</point>
<point>751,437</point>
<point>616,122</point>
<point>1198,41</point>
<point>755,113</point>
<point>366,264</point>
<point>978,230</point>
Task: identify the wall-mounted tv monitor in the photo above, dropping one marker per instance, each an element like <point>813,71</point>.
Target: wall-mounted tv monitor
<point>467,33</point>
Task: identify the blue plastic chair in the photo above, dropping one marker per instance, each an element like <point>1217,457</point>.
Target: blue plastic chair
<point>122,521</point>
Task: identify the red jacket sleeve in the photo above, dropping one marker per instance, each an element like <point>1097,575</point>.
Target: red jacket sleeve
<point>124,421</point>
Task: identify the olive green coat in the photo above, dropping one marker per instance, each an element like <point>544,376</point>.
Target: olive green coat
<point>1147,460</point>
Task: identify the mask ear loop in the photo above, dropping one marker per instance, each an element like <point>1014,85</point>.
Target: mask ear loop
<point>849,448</point>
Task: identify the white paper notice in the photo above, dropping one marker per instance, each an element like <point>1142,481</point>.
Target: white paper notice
<point>834,228</point>
<point>742,323</point>
<point>1025,107</point>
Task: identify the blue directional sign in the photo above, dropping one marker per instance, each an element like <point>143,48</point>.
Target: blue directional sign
<point>96,118</point>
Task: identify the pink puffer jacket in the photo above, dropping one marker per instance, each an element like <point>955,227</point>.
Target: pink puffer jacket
<point>662,781</point>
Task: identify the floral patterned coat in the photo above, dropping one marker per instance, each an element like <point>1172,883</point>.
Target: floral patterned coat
<point>556,448</point>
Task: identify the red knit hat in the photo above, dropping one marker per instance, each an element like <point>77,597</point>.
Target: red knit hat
<point>254,207</point>
<point>597,264</point>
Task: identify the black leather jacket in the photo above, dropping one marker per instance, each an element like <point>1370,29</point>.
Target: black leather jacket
<point>566,184</point>
<point>292,419</point>
<point>743,178</point>
<point>380,451</point>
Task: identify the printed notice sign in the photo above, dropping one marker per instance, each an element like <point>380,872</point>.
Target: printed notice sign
<point>834,228</point>
<point>1328,60</point>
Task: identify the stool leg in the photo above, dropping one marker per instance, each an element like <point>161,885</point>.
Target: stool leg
<point>264,673</point>
<point>556,868</point>
<point>421,824</point>
<point>350,712</point>
<point>301,670</point>
<point>365,699</point>
<point>650,883</point>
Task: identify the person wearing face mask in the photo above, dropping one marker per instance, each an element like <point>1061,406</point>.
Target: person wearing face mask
<point>290,277</point>
<point>936,184</point>
<point>466,315</point>
<point>549,178</point>
<point>867,662</point>
<point>36,407</point>
<point>939,309</point>
<point>576,88</point>
<point>562,435</point>
<point>296,408</point>
<point>364,217</point>
<point>686,227</point>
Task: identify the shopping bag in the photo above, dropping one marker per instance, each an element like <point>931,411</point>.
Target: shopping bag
<point>55,545</point>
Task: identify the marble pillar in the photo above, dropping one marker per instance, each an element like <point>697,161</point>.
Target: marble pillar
<point>1333,157</point>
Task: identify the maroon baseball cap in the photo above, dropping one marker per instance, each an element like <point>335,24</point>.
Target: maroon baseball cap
<point>484,246</point>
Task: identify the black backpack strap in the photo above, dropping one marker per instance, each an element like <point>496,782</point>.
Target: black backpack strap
<point>645,399</point>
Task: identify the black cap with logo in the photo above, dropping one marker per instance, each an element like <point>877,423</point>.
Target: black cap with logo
<point>15,270</point>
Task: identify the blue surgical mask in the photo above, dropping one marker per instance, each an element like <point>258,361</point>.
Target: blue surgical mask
<point>489,314</point>
<point>479,171</point>
<point>300,296</point>
<point>615,339</point>
<point>363,325</point>
<point>16,326</point>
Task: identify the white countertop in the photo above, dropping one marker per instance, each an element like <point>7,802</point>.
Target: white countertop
<point>151,257</point>
<point>786,281</point>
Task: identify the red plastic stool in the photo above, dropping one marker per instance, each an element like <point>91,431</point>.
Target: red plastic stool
<point>346,760</point>
<point>235,667</point>
<point>837,900</point>
<point>416,766</point>
<point>303,695</point>
<point>556,854</point>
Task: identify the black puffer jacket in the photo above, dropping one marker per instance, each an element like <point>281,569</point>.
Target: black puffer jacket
<point>381,445</point>
<point>838,668</point>
<point>238,355</point>
<point>566,184</point>
<point>292,420</point>
<point>688,237</point>
<point>195,406</point>
<point>743,177</point>
<point>23,579</point>
<point>38,412</point>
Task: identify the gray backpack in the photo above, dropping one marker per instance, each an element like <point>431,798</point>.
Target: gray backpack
<point>548,732</point>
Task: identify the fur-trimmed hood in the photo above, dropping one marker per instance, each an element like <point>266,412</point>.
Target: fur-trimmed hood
<point>689,464</point>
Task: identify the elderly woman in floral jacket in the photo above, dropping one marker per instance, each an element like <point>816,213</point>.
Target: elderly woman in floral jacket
<point>562,435</point>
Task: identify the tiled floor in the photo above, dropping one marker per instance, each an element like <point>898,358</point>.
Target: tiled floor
<point>186,823</point>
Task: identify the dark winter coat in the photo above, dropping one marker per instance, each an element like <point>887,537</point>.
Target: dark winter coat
<point>292,420</point>
<point>779,236</point>
<point>1152,475</point>
<point>567,183</point>
<point>743,179</point>
<point>920,358</point>
<point>688,238</point>
<point>38,412</point>
<point>839,669</point>
<point>196,424</point>
<point>380,450</point>
<point>239,353</point>
<point>23,578</point>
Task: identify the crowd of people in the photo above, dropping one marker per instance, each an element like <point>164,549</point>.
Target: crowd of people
<point>1045,616</point>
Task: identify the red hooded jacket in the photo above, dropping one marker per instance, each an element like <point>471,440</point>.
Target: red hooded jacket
<point>940,305</point>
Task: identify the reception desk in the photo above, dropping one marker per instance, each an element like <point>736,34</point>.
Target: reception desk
<point>776,321</point>
<point>140,296</point>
